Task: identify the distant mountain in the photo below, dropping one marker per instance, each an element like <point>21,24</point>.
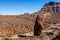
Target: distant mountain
<point>52,7</point>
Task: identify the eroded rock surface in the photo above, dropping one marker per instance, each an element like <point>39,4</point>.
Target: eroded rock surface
<point>48,21</point>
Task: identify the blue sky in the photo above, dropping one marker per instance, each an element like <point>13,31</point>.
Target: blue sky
<point>17,7</point>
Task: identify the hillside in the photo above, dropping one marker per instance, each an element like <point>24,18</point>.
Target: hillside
<point>16,24</point>
<point>48,21</point>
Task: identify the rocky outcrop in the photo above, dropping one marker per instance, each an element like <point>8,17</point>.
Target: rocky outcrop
<point>47,17</point>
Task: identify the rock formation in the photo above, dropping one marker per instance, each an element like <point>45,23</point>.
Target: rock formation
<point>47,20</point>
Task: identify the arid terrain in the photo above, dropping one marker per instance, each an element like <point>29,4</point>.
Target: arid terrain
<point>11,25</point>
<point>48,17</point>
